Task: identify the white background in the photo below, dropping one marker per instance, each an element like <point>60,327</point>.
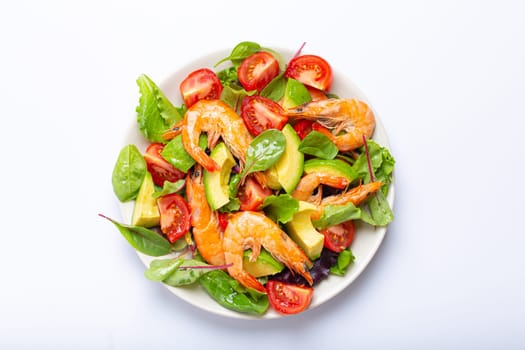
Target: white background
<point>447,79</point>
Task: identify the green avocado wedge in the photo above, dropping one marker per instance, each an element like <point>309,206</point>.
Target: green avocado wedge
<point>335,167</point>
<point>289,168</point>
<point>216,182</point>
<point>264,265</point>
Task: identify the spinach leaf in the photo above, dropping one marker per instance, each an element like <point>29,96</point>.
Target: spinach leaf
<point>264,151</point>
<point>142,239</point>
<point>175,153</point>
<point>159,270</point>
<point>240,52</point>
<point>336,214</point>
<point>319,145</point>
<point>280,208</point>
<point>233,94</point>
<point>128,173</point>
<point>379,211</point>
<point>188,273</point>
<point>169,187</point>
<point>155,113</point>
<point>231,295</point>
<point>344,260</point>
<point>275,88</point>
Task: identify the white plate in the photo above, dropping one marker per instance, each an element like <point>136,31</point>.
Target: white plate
<point>367,239</point>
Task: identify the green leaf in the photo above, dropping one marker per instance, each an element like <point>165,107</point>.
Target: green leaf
<point>379,212</point>
<point>319,145</point>
<point>155,113</point>
<point>275,88</point>
<point>175,153</point>
<point>159,270</point>
<point>169,187</point>
<point>188,273</point>
<point>264,151</point>
<point>228,76</point>
<point>231,295</point>
<point>142,239</point>
<point>336,214</point>
<point>382,164</point>
<point>233,95</point>
<point>344,260</point>
<point>280,208</point>
<point>128,173</point>
<point>240,52</point>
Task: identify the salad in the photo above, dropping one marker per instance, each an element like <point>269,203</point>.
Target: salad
<point>252,188</point>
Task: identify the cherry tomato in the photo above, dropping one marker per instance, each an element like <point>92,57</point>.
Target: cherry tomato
<point>174,216</point>
<point>339,237</point>
<point>257,70</point>
<point>202,84</point>
<point>260,114</point>
<point>252,194</point>
<point>288,298</point>
<point>303,127</point>
<point>310,70</point>
<point>161,170</point>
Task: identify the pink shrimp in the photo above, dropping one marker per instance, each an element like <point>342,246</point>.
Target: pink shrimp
<point>206,231</point>
<point>351,116</point>
<point>248,229</point>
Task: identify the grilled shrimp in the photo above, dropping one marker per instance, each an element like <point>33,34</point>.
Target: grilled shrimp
<point>247,229</point>
<point>204,221</point>
<point>310,182</point>
<point>218,120</point>
<point>352,117</point>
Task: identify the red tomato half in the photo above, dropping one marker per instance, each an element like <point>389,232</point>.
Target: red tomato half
<point>303,127</point>
<point>288,298</point>
<point>174,216</point>
<point>252,194</point>
<point>260,114</point>
<point>202,84</point>
<point>310,70</point>
<point>339,237</point>
<point>161,170</point>
<point>257,70</point>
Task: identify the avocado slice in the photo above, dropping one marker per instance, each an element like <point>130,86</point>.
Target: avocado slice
<point>216,182</point>
<point>265,264</point>
<point>146,213</point>
<point>335,167</point>
<point>295,94</point>
<point>289,167</point>
<point>302,231</point>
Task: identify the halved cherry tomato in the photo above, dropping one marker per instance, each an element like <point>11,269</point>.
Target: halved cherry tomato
<point>310,70</point>
<point>252,194</point>
<point>260,114</point>
<point>288,298</point>
<point>161,170</point>
<point>303,127</point>
<point>339,237</point>
<point>257,70</point>
<point>174,216</point>
<point>202,84</point>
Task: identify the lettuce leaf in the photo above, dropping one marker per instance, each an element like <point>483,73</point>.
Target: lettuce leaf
<point>155,113</point>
